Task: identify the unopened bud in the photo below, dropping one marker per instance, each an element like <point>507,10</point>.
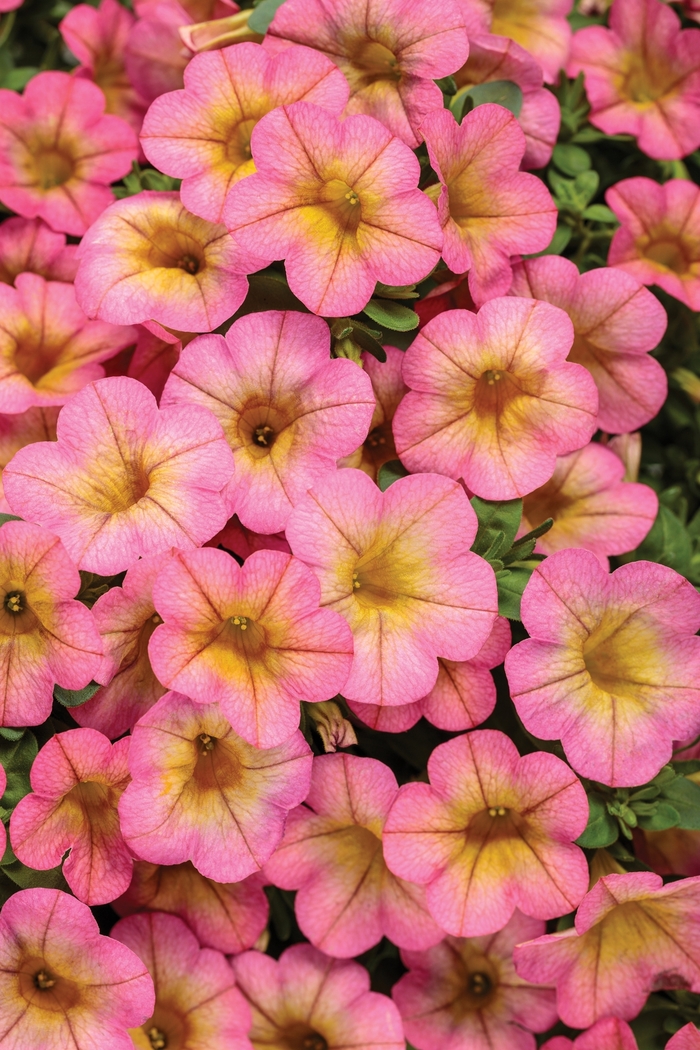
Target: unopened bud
<point>333,728</point>
<point>218,33</point>
<point>689,382</point>
<point>628,448</point>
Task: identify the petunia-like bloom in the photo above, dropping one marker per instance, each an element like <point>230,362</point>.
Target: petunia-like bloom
<point>592,507</point>
<point>391,51</point>
<point>61,983</point>
<point>156,353</point>
<point>45,636</point>
<point>202,134</point>
<point>77,779</point>
<point>464,994</point>
<point>197,1002</point>
<point>124,479</point>
<point>147,257</point>
<point>539,26</point>
<point>201,793</point>
<point>493,399</point>
<point>388,388</point>
<point>228,916</point>
<point>658,241</point>
<point>610,1033</point>
<point>490,833</point>
<point>397,566</point>
<point>287,410</point>
<point>236,538</point>
<point>30,246</point>
<point>16,431</point>
<point>489,209</point>
<point>332,854</point>
<point>615,324</point>
<point>688,1038</point>
<point>339,202</point>
<point>307,1000</point>
<point>632,935</point>
<point>59,151</point>
<point>642,77</point>
<point>611,666</point>
<point>251,636</point>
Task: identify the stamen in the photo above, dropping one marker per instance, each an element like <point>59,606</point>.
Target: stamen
<point>157,1038</point>
<point>497,811</point>
<point>189,264</point>
<point>355,581</point>
<point>240,621</point>
<point>261,436</point>
<point>492,377</point>
<point>156,619</point>
<point>351,197</point>
<point>480,984</point>
<point>14,602</point>
<point>44,980</point>
<point>207,741</point>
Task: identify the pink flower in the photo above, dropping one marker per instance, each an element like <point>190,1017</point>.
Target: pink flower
<point>36,424</point>
<point>391,51</point>
<point>688,1038</point>
<point>77,779</point>
<point>60,979</point>
<point>236,538</point>
<point>615,324</point>
<point>488,208</point>
<point>60,152</point>
<point>124,479</point>
<point>197,1003</point>
<point>29,245</point>
<point>306,997</point>
<point>607,1034</point>
<point>254,637</point>
<point>397,566</point>
<point>339,202</point>
<point>539,26</point>
<point>632,935</point>
<point>155,356</point>
<point>148,258</point>
<point>490,833</point>
<point>642,77</point>
<point>201,793</point>
<point>288,412</point>
<point>202,134</point>
<point>493,399</point>
<point>658,241</point>
<point>466,995</point>
<point>3,786</point>
<point>388,388</point>
<point>332,854</point>
<point>611,666</point>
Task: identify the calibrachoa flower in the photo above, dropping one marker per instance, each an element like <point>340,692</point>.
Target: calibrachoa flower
<point>490,833</point>
<point>658,241</point>
<point>45,636</point>
<point>388,388</point>
<point>642,77</point>
<point>243,542</point>
<point>632,935</point>
<point>688,1038</point>
<point>489,209</point>
<point>77,779</point>
<point>332,854</point>
<point>16,431</point>
<point>288,412</point>
<point>391,51</point>
<point>202,134</point>
<point>611,666</point>
<point>339,202</point>
<point>60,979</point>
<point>306,999</point>
<point>157,352</point>
<point>124,479</point>
<point>197,1003</point>
<point>397,566</point>
<point>465,994</point>
<point>252,636</point>
<point>493,399</point>
<point>199,792</point>
<point>615,324</point>
<point>229,916</point>
<point>60,152</point>
<point>29,245</point>
<point>607,1034</point>
<point>539,26</point>
<point>148,257</point>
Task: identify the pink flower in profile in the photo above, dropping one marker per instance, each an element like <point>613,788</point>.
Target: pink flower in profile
<point>77,779</point>
<point>339,202</point>
<point>688,1038</point>
<point>490,833</point>
<point>197,1002</point>
<point>616,323</point>
<point>610,1033</point>
<point>59,978</point>
<point>287,410</point>
<point>202,134</point>
<point>157,352</point>
<point>658,241</point>
<point>493,399</point>
<point>306,999</point>
<point>332,854</point>
<point>489,209</point>
<point>642,77</point>
<point>388,388</point>
<point>612,664</point>
<point>464,994</point>
<point>3,787</point>
<point>252,636</point>
<point>236,538</point>
<point>60,152</point>
<point>30,246</point>
<point>539,26</point>
<point>201,793</point>
<point>391,51</point>
<point>124,479</point>
<point>147,258</point>
<point>397,566</point>
<point>16,431</point>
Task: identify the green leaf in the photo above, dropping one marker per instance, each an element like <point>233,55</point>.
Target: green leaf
<point>523,548</point>
<point>503,92</point>
<point>16,757</point>
<point>600,213</point>
<point>390,472</point>
<point>393,315</point>
<point>665,816</point>
<point>396,291</point>
<point>8,733</point>
<point>263,14</point>
<point>572,160</point>
<point>75,697</point>
<point>602,829</point>
<point>17,79</point>
<point>511,583</point>
<point>29,878</point>
<point>268,291</point>
<point>494,517</point>
<point>667,543</point>
<point>8,517</point>
<point>684,795</point>
<point>367,341</point>
<point>448,85</point>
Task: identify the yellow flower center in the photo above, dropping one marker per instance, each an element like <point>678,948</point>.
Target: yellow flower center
<point>668,253</point>
<point>343,202</point>
<point>497,811</point>
<point>479,984</point>
<point>15,602</point>
<point>260,424</point>
<point>53,168</point>
<point>188,263</point>
<point>43,980</point>
<point>374,61</point>
<point>157,1038</point>
<point>238,150</point>
<point>240,621</point>
<point>301,1037</point>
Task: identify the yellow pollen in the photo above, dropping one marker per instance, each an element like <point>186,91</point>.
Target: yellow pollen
<point>13,603</point>
<point>492,377</point>
<point>157,1038</point>
<point>355,581</point>
<point>240,621</point>
<point>43,981</point>
<point>351,197</point>
<point>207,742</point>
<point>497,811</point>
<point>156,619</point>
